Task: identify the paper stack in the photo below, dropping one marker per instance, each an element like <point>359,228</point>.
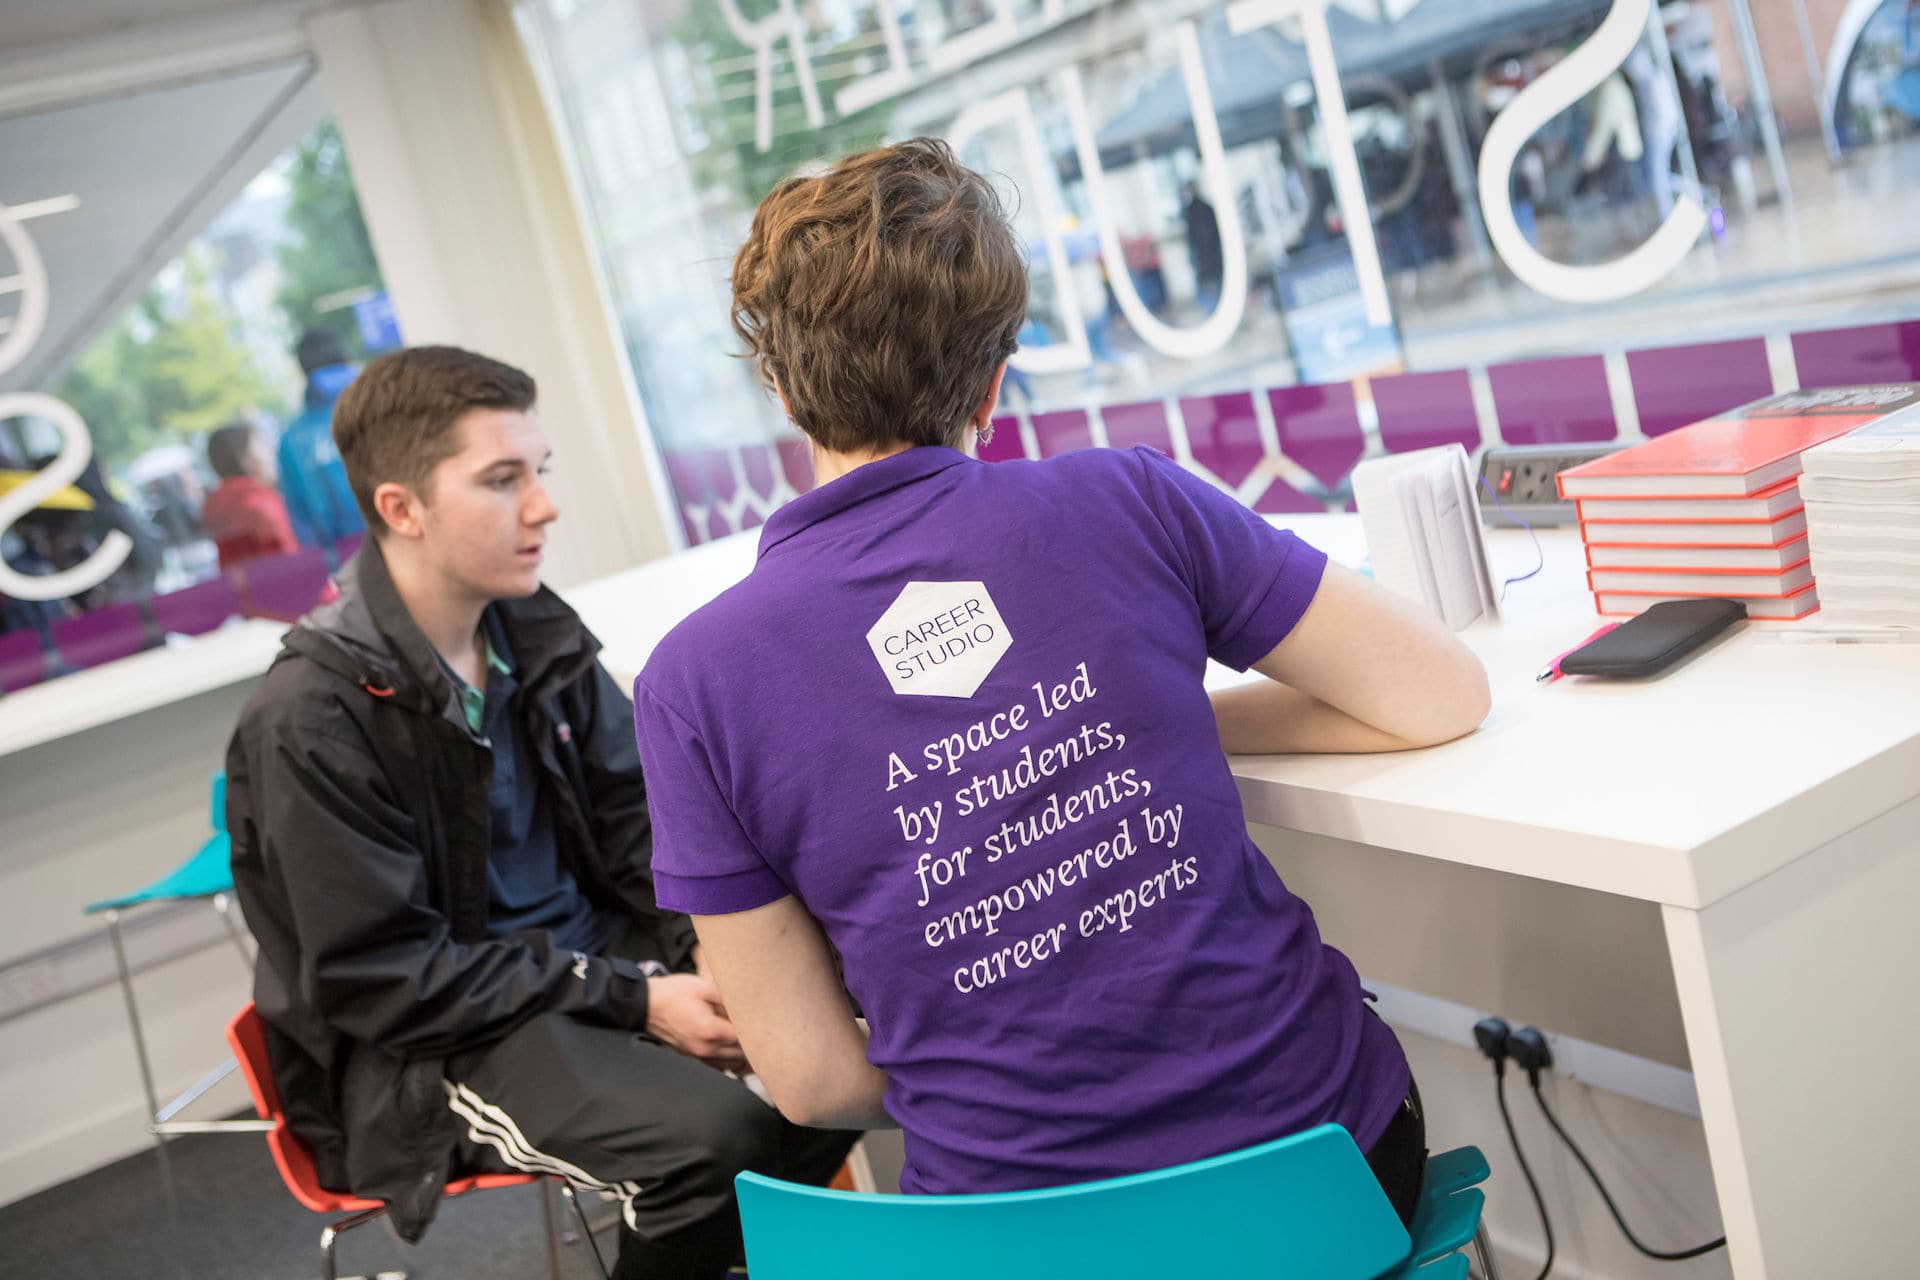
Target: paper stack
<point>1716,508</point>
<point>1862,495</point>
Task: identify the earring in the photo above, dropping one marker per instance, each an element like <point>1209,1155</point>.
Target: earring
<point>984,432</point>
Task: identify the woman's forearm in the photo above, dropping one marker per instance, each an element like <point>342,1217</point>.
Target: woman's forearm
<point>1266,717</point>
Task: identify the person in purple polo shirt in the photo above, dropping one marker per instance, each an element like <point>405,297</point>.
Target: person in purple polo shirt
<point>953,729</point>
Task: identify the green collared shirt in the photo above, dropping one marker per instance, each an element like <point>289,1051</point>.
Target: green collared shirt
<point>473,701</point>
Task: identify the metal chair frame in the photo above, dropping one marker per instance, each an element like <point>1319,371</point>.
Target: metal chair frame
<point>162,1121</point>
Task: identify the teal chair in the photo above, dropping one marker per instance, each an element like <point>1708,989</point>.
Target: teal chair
<point>1304,1207</point>
<point>205,877</point>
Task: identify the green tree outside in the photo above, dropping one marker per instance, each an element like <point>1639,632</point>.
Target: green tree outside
<point>330,256</point>
<point>169,370</point>
<point>734,158</point>
<point>162,373</point>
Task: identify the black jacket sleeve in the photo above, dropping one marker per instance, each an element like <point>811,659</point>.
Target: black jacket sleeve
<point>377,958</point>
<point>617,803</point>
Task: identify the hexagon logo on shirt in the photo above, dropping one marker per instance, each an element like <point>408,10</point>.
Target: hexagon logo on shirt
<point>940,639</point>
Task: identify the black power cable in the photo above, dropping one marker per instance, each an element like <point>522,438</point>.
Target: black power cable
<point>1533,1078</point>
<point>1539,1201</point>
<point>1494,1037</point>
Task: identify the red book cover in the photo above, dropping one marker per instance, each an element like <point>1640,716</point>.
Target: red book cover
<point>1739,453</point>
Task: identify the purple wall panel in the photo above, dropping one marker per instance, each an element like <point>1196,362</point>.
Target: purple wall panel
<point>284,587</point>
<point>1282,499</point>
<point>1675,386</point>
<point>1142,422</point>
<point>22,661</point>
<point>1005,442</point>
<point>1553,401</point>
<point>1423,410</point>
<point>1319,428</point>
<point>101,635</point>
<point>716,468</point>
<point>689,483</point>
<point>796,459</point>
<point>758,462</point>
<point>1224,434</point>
<point>1062,431</point>
<point>197,609</point>
<point>1868,353</point>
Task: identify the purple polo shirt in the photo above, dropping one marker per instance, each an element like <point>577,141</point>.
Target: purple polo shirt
<point>956,709</point>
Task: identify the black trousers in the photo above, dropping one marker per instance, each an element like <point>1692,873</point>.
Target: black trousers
<point>1399,1158</point>
<point>613,1110</point>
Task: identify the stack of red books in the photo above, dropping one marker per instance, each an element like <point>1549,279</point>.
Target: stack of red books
<point>1714,509</point>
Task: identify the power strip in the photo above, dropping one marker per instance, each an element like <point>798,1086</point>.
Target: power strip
<point>1655,1083</point>
<point>1523,477</point>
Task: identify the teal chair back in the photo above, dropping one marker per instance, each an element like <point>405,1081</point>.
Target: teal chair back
<point>1304,1207</point>
<point>207,872</point>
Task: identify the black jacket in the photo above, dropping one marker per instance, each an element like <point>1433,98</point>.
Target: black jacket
<point>357,803</point>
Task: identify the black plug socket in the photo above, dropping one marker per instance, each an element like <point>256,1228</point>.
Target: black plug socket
<point>1492,1034</point>
<point>1527,1046</point>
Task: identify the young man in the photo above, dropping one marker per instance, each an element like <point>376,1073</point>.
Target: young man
<point>244,516</point>
<point>441,841</point>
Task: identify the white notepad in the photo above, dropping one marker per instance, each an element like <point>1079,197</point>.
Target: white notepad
<point>1423,532</point>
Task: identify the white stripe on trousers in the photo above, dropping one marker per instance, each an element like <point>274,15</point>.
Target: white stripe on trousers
<point>488,1125</point>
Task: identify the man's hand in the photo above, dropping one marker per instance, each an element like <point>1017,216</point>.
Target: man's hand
<point>684,1013</point>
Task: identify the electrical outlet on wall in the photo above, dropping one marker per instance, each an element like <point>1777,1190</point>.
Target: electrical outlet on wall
<point>1523,476</point>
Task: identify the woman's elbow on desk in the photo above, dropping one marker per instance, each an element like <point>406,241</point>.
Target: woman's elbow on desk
<point>1455,704</point>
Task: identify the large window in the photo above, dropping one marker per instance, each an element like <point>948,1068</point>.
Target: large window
<point>1265,247</point>
<point>150,480</point>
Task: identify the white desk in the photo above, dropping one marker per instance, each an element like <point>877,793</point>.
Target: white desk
<point>1765,796</point>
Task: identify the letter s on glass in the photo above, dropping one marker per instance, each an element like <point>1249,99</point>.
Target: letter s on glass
<point>31,318</point>
<point>1569,80</point>
<point>75,451</point>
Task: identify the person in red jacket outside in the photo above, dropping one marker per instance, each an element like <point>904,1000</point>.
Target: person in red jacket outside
<point>246,517</point>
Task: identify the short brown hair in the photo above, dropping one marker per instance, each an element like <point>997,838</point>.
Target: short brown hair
<point>395,422</point>
<point>881,296</point>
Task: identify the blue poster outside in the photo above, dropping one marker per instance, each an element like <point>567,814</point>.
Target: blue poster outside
<point>378,328</point>
<point>1328,332</point>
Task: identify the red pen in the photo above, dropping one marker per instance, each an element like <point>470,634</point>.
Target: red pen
<point>1551,671</point>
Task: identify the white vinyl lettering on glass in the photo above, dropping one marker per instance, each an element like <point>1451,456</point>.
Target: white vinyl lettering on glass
<point>1564,84</point>
<point>76,442</point>
<point>1557,89</point>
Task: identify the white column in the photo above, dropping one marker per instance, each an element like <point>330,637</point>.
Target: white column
<point>467,201</point>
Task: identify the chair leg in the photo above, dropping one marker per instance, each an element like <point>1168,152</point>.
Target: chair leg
<point>223,904</point>
<point>140,1051</point>
<point>553,1229</point>
<point>586,1230</point>
<point>1483,1248</point>
<point>330,1239</point>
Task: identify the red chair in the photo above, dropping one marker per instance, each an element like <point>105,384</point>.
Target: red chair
<point>247,1036</point>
